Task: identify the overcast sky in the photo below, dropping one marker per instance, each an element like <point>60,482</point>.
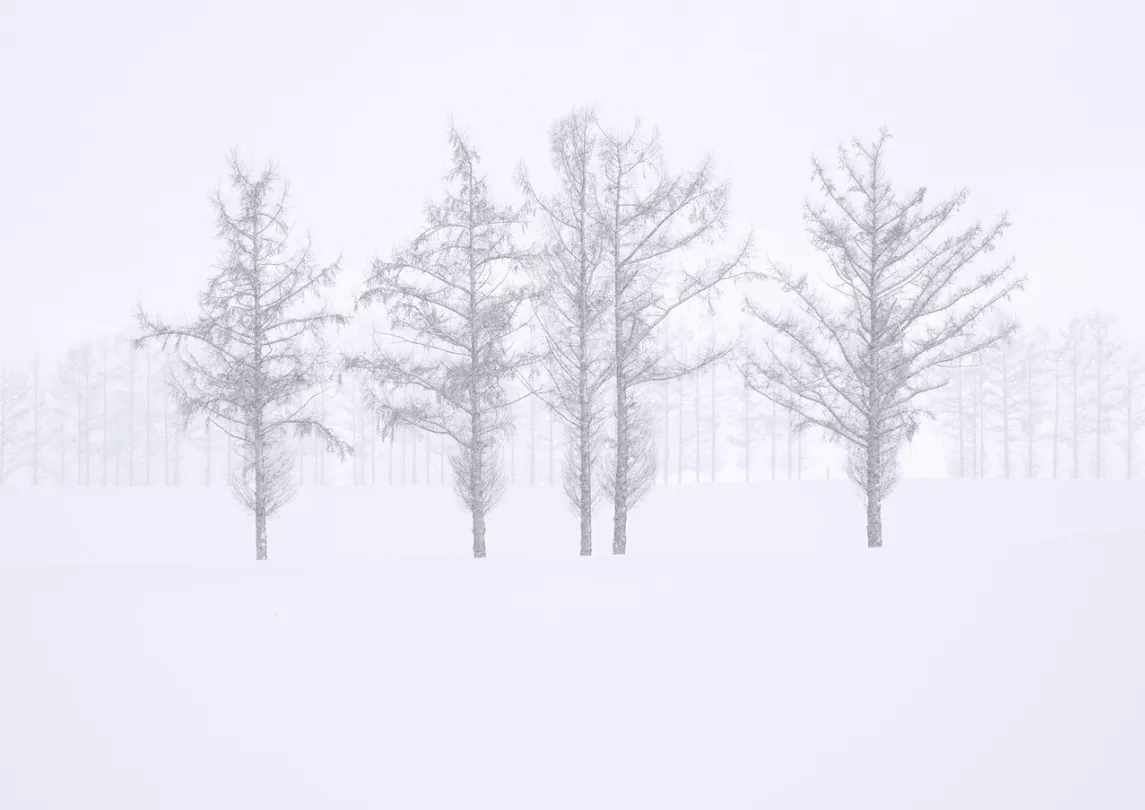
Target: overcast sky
<point>116,118</point>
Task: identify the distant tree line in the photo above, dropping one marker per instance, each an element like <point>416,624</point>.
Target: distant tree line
<point>710,426</point>
<point>1068,403</point>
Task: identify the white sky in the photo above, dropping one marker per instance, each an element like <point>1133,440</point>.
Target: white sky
<point>116,118</point>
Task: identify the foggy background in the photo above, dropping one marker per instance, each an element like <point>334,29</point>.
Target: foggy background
<point>117,118</point>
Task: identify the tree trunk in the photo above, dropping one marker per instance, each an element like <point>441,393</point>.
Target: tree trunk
<point>177,444</point>
<point>620,499</point>
<point>584,429</point>
<point>620,493</point>
<point>207,442</point>
<point>961,430</point>
<point>476,463</point>
<point>585,518</point>
<point>314,450</point>
<point>118,451</point>
<point>259,492</point>
<point>147,440</point>
<point>532,441</point>
<point>696,385</point>
<point>874,523</point>
<point>103,435</point>
<point>36,423</point>
<point>1099,431</point>
<point>774,437</point>
<point>260,533</point>
<point>478,533</point>
<point>552,448</point>
<point>3,423</point>
<point>1057,411</point>
<point>585,476</point>
<point>746,431</point>
<point>301,462</point>
<point>981,407</point>
<point>1075,438</point>
<point>355,460</point>
<point>166,441</point>
<point>1129,422</point>
<point>680,430</point>
<point>131,416</point>
<point>713,421</point>
<point>79,437</point>
<point>790,444</point>
<point>667,426</point>
<point>1005,414</point>
<point>873,489</point>
<point>1030,415</point>
<point>974,471</point>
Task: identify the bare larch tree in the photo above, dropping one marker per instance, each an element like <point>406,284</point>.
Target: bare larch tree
<point>255,359</point>
<point>573,303</point>
<point>898,309</point>
<point>653,219</point>
<point>451,296</point>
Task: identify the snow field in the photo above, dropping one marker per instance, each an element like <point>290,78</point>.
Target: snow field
<point>750,653</point>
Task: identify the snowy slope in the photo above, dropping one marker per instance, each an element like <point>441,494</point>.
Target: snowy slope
<point>970,666</point>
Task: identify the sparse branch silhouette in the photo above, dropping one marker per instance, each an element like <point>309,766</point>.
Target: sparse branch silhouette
<point>255,360</point>
<point>453,294</point>
<point>653,217</point>
<point>900,307</point>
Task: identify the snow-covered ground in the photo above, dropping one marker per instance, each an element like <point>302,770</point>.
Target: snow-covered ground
<point>749,653</point>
